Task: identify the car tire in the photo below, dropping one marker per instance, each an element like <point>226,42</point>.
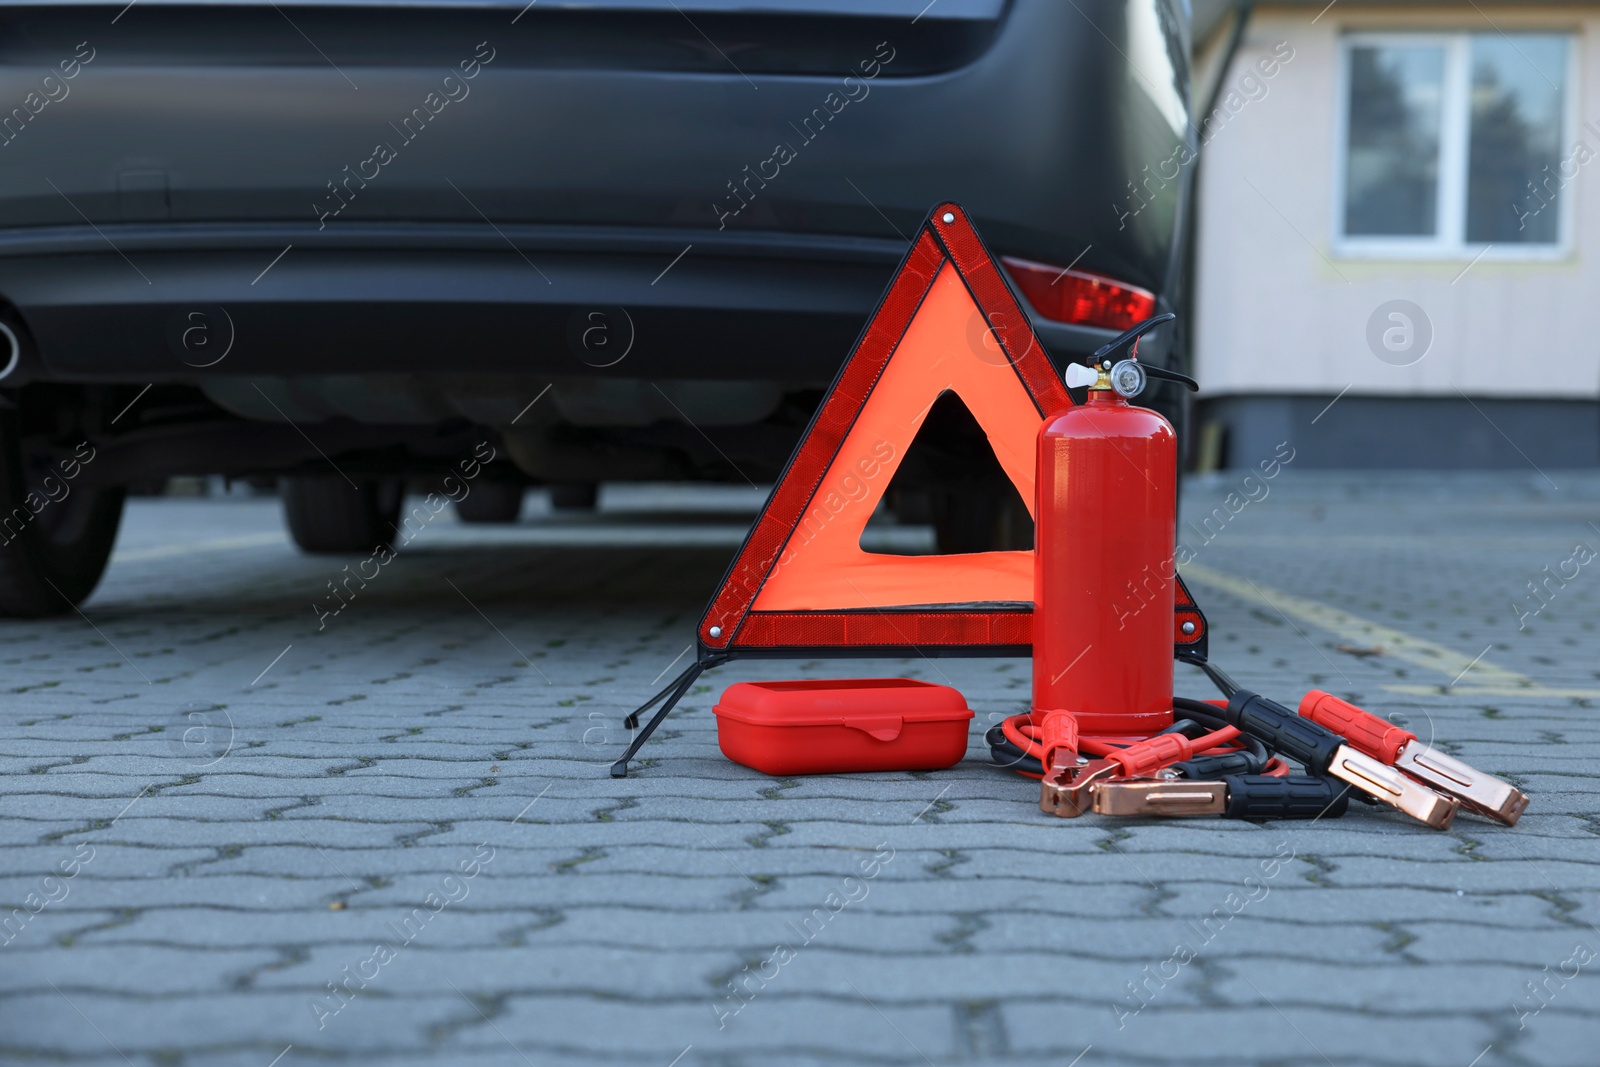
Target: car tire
<point>491,502</point>
<point>50,561</point>
<point>574,496</point>
<point>327,514</point>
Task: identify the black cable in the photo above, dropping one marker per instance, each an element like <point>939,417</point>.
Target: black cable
<point>1251,758</point>
<point>1008,756</point>
<point>1207,715</point>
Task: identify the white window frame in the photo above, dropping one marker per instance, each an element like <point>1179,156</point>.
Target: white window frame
<point>1455,128</point>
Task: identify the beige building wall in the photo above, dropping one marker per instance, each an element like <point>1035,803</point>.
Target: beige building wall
<point>1280,310</point>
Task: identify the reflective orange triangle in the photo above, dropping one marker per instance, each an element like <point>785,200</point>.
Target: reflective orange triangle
<point>948,322</point>
<point>947,346</point>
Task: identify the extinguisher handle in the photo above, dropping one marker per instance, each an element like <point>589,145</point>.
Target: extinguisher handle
<point>1263,796</point>
<point>1282,730</point>
<point>1366,732</point>
<point>1171,376</point>
<point>1113,349</point>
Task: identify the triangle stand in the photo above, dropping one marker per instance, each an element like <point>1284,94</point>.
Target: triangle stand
<point>671,694</point>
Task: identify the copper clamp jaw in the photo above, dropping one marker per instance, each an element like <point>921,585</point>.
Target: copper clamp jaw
<point>1164,797</point>
<point>1389,786</point>
<point>1069,791</point>
<point>1477,791</point>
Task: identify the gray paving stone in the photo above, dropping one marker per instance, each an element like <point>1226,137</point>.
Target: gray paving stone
<point>352,778</point>
<point>162,833</point>
<point>142,970</point>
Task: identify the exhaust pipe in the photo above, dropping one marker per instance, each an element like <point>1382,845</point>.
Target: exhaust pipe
<point>10,351</point>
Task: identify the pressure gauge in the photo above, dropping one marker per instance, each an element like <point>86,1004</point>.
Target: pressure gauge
<point>1128,378</point>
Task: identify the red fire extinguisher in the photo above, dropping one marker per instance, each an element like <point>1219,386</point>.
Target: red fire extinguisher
<point>1106,526</point>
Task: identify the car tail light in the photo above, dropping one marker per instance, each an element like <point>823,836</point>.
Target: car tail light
<point>1079,297</point>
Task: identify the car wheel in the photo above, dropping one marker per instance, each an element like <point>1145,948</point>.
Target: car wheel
<point>326,513</point>
<point>491,502</point>
<point>52,558</point>
<point>574,496</point>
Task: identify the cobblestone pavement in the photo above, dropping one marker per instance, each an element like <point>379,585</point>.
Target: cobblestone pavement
<point>231,837</point>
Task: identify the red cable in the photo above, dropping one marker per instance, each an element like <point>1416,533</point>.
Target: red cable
<point>1022,731</point>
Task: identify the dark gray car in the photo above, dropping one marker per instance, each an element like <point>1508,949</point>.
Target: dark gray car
<point>343,245</point>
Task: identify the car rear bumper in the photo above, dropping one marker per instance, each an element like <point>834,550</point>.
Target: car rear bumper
<point>174,303</point>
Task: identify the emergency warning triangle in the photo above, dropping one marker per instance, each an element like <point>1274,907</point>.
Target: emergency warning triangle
<point>801,581</point>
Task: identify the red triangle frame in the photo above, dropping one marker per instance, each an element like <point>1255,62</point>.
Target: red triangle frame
<point>732,625</point>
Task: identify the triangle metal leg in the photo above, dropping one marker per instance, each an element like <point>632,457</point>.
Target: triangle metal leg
<point>681,686</point>
<point>632,721</point>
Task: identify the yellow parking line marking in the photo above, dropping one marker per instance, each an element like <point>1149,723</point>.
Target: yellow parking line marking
<point>1353,628</point>
<point>1535,692</point>
<point>221,544</point>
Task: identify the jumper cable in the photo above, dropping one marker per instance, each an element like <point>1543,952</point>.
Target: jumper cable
<point>1138,775</point>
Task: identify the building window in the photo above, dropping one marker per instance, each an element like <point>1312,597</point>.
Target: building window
<point>1453,144</point>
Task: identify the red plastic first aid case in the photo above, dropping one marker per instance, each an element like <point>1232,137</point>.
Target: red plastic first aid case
<point>847,724</point>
